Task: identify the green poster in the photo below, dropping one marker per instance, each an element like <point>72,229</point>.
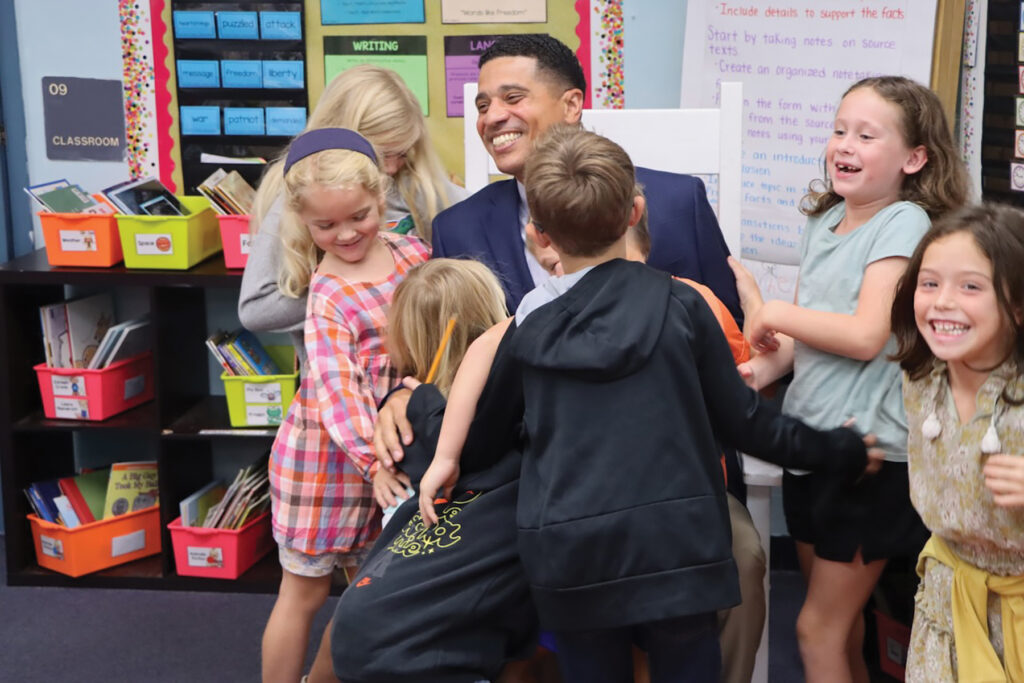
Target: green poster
<point>406,55</point>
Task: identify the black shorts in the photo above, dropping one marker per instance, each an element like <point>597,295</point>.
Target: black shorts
<point>838,518</point>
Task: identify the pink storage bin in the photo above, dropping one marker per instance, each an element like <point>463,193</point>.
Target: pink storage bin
<point>234,233</point>
<point>79,394</point>
<point>220,553</point>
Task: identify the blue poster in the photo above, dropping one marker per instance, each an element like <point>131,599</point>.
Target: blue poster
<point>371,12</point>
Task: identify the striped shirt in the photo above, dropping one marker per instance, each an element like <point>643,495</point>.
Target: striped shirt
<point>321,495</point>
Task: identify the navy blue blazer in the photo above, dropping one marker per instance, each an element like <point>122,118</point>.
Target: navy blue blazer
<point>685,238</point>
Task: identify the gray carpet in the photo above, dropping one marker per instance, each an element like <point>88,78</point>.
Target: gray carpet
<point>109,636</point>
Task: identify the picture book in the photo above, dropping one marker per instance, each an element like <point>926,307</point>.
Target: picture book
<point>70,199</point>
<point>45,492</point>
<point>55,335</point>
<point>145,197</point>
<point>34,191</point>
<point>195,507</point>
<point>67,513</point>
<point>135,338</point>
<point>234,357</point>
<point>254,353</point>
<point>42,508</point>
<point>211,344</point>
<point>87,493</point>
<point>88,321</point>
<point>237,191</point>
<point>132,486</point>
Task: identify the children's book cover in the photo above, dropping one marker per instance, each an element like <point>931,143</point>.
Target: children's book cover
<point>87,493</point>
<point>195,507</point>
<point>132,486</point>
<point>88,322</point>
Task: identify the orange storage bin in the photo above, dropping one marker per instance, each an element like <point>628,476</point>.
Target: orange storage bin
<point>220,553</point>
<point>81,239</point>
<point>78,394</point>
<point>97,545</point>
<point>234,233</point>
<point>893,644</point>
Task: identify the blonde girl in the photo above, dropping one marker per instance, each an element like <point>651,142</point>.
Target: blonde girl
<point>890,166</point>
<point>375,102</point>
<point>957,316</point>
<point>322,463</point>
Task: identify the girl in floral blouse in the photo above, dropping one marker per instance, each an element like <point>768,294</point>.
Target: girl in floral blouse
<point>958,315</point>
<point>322,462</point>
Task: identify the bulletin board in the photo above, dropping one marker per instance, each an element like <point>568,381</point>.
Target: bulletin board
<point>1002,144</point>
<point>435,44</point>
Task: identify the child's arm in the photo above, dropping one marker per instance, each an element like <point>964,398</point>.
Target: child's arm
<point>390,489</point>
<point>1004,477</point>
<point>860,336</point>
<point>765,368</point>
<point>346,406</point>
<point>465,393</point>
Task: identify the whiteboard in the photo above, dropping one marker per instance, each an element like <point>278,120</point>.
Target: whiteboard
<point>795,60</point>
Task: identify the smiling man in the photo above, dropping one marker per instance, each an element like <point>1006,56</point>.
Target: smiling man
<point>527,83</point>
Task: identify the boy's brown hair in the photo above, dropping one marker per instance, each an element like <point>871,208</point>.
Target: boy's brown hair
<point>579,187</point>
<point>640,235</point>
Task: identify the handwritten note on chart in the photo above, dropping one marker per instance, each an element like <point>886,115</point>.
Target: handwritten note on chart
<point>795,59</point>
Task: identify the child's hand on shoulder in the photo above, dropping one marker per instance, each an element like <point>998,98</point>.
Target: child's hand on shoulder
<point>1004,477</point>
<point>439,480</point>
<point>746,287</point>
<point>389,488</point>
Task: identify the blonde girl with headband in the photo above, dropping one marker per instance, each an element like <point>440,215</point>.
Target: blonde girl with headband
<point>322,462</point>
<point>376,103</point>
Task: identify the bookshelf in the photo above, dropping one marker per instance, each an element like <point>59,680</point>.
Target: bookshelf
<point>184,425</point>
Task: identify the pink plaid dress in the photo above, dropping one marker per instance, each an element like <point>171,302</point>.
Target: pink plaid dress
<point>320,490</point>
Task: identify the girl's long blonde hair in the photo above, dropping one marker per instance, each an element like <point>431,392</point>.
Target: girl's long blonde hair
<point>333,168</point>
<point>431,294</point>
<point>376,103</point>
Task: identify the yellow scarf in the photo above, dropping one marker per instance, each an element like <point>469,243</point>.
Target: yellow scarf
<point>977,660</point>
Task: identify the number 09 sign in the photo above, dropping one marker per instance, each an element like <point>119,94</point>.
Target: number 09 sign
<point>83,119</point>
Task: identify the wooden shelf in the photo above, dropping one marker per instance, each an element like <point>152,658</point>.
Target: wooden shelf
<point>208,419</point>
<point>142,418</point>
<point>34,269</point>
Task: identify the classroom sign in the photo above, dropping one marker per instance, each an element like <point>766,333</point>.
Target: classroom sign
<point>371,12</point>
<point>83,119</point>
<point>406,55</point>
<point>795,60</point>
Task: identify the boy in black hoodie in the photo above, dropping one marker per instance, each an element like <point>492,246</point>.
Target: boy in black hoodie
<point>628,382</point>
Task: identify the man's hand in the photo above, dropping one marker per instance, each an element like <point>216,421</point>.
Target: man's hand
<point>1004,477</point>
<point>392,430</point>
<point>389,489</point>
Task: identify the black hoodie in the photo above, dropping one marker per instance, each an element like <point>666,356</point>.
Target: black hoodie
<point>449,604</point>
<point>622,513</point>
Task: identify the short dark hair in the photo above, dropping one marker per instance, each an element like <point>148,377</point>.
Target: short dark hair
<point>998,231</point>
<point>579,187</point>
<point>554,58</point>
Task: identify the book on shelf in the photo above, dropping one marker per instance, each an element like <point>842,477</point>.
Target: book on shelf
<point>195,507</point>
<point>132,486</point>
<point>67,514</point>
<point>229,193</point>
<point>122,341</point>
<point>254,354</point>
<point>241,353</point>
<point>145,197</point>
<point>56,341</point>
<point>247,495</point>
<point>41,495</point>
<point>88,321</point>
<point>87,493</point>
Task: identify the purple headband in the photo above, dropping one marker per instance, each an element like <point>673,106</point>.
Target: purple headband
<point>322,139</point>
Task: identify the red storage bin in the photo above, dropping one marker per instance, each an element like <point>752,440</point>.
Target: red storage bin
<point>234,233</point>
<point>220,553</point>
<point>79,394</point>
<point>893,644</point>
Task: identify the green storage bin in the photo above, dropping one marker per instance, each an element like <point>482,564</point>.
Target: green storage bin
<point>262,400</point>
<point>170,242</point>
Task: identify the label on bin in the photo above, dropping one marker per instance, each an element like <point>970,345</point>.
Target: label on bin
<point>129,543</point>
<point>68,385</point>
<point>78,240</point>
<point>263,393</point>
<point>154,245</point>
<point>133,386</point>
<point>243,243</point>
<point>263,415</point>
<point>211,558</point>
<point>71,408</point>
<point>52,547</point>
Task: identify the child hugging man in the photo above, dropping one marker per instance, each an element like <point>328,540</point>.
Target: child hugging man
<point>628,385</point>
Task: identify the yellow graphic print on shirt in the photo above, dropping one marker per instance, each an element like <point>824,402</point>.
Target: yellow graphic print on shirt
<point>417,539</point>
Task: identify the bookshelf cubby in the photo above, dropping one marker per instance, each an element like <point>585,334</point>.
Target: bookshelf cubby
<point>184,425</point>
